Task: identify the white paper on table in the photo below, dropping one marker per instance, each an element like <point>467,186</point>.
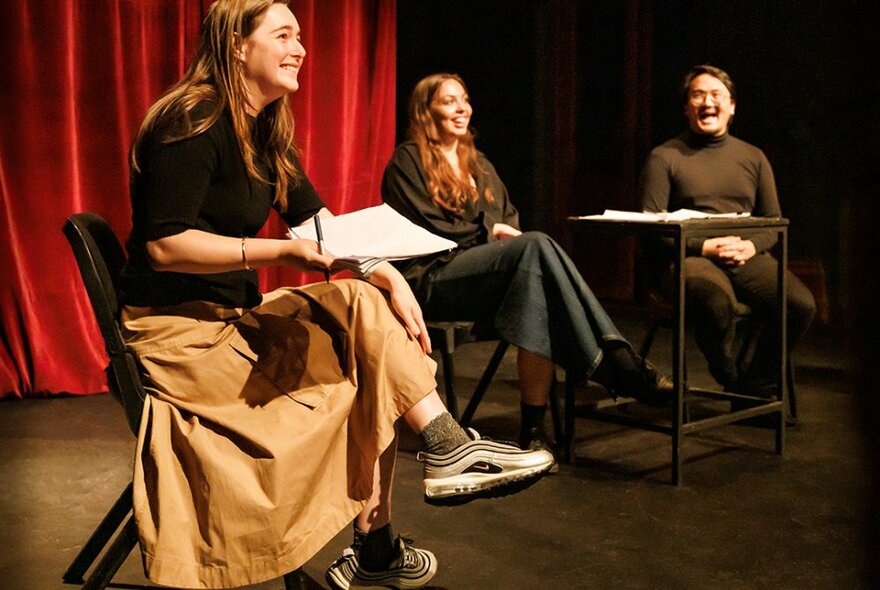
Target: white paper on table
<point>679,215</point>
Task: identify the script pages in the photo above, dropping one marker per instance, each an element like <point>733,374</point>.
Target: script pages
<point>679,215</point>
<point>362,239</point>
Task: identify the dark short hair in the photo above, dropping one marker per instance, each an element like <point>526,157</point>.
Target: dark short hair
<point>718,73</point>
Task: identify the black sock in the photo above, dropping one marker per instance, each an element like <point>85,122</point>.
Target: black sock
<point>620,368</point>
<point>377,549</point>
<point>532,417</point>
<point>358,540</point>
<point>443,434</point>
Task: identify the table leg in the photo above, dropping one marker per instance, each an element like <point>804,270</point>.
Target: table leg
<point>782,302</point>
<point>678,360</point>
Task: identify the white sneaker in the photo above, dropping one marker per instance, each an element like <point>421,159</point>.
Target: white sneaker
<point>413,568</point>
<point>479,466</point>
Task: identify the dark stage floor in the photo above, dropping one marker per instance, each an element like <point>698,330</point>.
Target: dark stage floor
<point>743,518</point>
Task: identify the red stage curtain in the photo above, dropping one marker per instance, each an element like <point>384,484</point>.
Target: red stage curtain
<point>77,78</point>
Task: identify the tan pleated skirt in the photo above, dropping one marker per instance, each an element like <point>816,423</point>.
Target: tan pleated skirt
<point>262,427</point>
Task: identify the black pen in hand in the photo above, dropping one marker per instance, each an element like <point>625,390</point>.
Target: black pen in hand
<point>320,237</point>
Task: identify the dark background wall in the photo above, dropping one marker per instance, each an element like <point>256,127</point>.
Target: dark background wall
<point>492,46</point>
<point>569,97</point>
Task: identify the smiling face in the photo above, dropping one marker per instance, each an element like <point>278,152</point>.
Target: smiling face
<point>271,57</point>
<point>709,106</point>
<point>451,111</point>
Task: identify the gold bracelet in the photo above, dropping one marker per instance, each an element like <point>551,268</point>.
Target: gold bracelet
<point>244,255</point>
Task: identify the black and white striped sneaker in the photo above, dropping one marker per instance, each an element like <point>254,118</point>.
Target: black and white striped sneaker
<point>413,568</point>
<point>480,466</point>
<point>341,572</point>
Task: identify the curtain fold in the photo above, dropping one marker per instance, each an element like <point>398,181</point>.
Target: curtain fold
<point>77,79</point>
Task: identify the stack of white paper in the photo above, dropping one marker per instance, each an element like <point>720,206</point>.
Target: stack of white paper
<point>362,239</point>
<point>679,215</point>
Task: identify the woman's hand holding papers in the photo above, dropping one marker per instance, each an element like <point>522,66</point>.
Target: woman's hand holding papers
<point>304,255</point>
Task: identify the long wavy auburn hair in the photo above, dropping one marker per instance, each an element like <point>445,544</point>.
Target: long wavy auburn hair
<point>215,77</point>
<point>449,190</point>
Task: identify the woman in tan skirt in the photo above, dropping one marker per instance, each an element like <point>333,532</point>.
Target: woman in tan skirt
<point>270,424</point>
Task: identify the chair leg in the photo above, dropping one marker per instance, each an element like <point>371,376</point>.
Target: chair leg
<point>296,580</point>
<point>90,551</point>
<point>558,433</point>
<point>747,348</point>
<point>648,340</point>
<point>114,558</point>
<point>449,382</point>
<point>792,396</point>
<point>566,441</point>
<point>483,385</point>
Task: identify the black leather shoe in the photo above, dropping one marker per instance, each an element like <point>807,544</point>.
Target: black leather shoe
<point>656,388</point>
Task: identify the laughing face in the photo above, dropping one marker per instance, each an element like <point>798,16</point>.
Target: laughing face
<point>451,110</point>
<point>709,106</point>
<point>271,57</point>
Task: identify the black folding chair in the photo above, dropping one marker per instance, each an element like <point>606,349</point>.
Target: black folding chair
<point>100,258</point>
<point>446,336</point>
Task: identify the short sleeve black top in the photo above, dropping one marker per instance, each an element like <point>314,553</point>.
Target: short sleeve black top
<point>201,183</point>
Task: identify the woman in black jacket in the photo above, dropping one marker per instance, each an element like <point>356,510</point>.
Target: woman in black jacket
<point>521,287</point>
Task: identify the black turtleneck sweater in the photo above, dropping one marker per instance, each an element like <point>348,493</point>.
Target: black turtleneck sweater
<point>712,174</point>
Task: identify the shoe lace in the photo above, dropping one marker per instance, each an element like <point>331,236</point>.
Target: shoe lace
<point>409,557</point>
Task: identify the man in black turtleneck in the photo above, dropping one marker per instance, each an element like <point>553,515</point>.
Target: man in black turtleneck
<point>707,169</point>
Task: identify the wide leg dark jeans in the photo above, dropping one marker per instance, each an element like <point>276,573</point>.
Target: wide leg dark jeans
<point>527,291</point>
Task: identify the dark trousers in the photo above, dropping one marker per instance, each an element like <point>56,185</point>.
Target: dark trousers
<point>712,292</point>
<point>527,291</point>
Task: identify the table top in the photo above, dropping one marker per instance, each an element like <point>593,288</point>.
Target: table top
<point>711,224</point>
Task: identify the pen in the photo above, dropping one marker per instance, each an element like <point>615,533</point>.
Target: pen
<point>320,237</point>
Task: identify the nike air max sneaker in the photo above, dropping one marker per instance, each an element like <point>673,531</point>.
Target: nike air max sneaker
<point>479,466</point>
<point>413,568</point>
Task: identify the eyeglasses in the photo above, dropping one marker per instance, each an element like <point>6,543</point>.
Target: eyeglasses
<point>698,97</point>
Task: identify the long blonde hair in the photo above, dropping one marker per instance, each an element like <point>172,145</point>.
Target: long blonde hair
<point>449,190</point>
<point>214,77</point>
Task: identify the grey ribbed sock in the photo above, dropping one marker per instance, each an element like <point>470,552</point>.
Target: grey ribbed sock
<point>443,434</point>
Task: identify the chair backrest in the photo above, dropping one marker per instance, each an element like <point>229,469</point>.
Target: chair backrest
<point>100,259</point>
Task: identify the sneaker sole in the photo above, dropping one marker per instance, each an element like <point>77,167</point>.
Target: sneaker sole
<point>474,484</point>
<point>507,489</point>
<point>396,582</point>
<point>337,581</point>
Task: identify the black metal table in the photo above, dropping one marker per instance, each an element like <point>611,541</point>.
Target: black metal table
<point>681,425</point>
